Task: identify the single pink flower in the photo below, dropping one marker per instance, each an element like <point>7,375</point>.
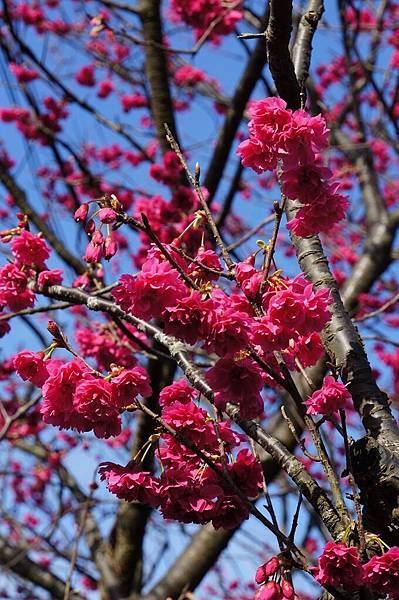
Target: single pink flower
<point>340,565</point>
<point>329,399</point>
<point>381,573</point>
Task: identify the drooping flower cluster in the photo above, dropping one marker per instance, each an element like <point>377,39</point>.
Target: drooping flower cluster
<point>340,566</point>
<point>279,588</point>
<point>294,139</point>
<point>74,398</point>
<point>100,245</point>
<point>200,14</point>
<point>187,489</point>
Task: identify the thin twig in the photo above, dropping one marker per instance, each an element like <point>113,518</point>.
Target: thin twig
<point>194,180</point>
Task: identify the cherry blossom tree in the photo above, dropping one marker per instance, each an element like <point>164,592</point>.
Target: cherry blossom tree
<point>198,300</point>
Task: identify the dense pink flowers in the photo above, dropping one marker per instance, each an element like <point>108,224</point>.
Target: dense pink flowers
<point>296,139</point>
<point>199,14</point>
<point>129,384</point>
<point>228,331</point>
<point>74,398</point>
<point>14,290</point>
<point>298,308</point>
<point>187,489</point>
<point>340,565</point>
<point>95,403</point>
<point>47,278</point>
<point>130,483</point>
<point>98,342</point>
<point>238,382</point>
<point>269,118</point>
<point>329,399</point>
<point>381,573</point>
<point>29,249</point>
<point>58,391</point>
<point>187,319</point>
<point>179,391</point>
<point>147,294</point>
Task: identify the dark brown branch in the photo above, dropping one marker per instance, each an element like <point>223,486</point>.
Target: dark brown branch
<point>302,50</point>
<point>278,35</point>
<point>341,339</point>
<point>156,70</point>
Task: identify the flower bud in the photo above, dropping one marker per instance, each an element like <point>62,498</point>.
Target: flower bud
<point>110,247</point>
<point>90,226</point>
<point>94,253</point>
<point>81,213</point>
<point>272,566</point>
<point>107,215</point>
<point>260,575</point>
<point>97,239</point>
<point>287,588</point>
<point>270,591</point>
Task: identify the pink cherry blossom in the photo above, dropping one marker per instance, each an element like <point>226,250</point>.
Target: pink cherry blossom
<point>381,573</point>
<point>130,483</point>
<point>14,290</point>
<point>147,294</point>
<point>29,249</point>
<point>329,399</point>
<point>179,391</point>
<point>95,401</point>
<point>30,366</point>
<point>238,382</point>
<point>129,383</point>
<point>47,278</point>
<point>58,396</point>
<point>340,565</point>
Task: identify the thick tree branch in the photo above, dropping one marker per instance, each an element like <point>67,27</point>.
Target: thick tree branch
<point>341,339</point>
<point>156,70</point>
<point>278,35</point>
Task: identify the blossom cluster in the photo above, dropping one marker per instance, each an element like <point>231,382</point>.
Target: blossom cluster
<point>274,584</point>
<point>332,397</point>
<point>187,489</point>
<point>30,253</point>
<point>76,398</point>
<point>202,14</point>
<point>293,140</point>
<point>340,565</point>
<point>226,325</point>
<point>36,127</point>
<point>100,343</point>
